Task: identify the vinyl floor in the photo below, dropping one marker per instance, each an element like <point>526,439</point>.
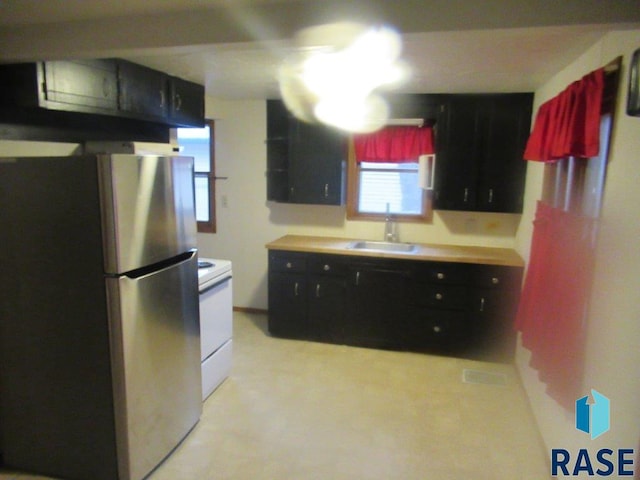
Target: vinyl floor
<point>311,411</point>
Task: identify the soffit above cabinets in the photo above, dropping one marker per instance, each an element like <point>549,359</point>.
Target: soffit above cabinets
<point>234,47</point>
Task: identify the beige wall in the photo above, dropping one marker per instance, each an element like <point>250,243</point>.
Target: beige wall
<point>613,349</point>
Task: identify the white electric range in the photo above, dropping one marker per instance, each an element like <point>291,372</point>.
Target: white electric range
<point>215,284</point>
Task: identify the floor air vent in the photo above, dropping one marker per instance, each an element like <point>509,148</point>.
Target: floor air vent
<point>484,378</point>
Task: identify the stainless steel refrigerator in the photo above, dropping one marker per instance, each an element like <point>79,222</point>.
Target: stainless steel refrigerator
<point>99,329</point>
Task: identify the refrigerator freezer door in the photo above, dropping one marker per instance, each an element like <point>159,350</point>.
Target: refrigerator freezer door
<point>155,340</point>
<point>148,209</point>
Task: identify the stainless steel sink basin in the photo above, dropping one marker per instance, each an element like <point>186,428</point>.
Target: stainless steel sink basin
<point>382,246</point>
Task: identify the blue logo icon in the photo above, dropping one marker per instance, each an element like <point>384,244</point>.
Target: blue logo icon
<point>593,418</point>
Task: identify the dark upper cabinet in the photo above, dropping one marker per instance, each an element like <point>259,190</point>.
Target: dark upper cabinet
<point>456,152</point>
<point>186,107</point>
<point>111,87</point>
<point>144,92</point>
<point>87,86</point>
<point>305,162</point>
<point>501,179</point>
<point>317,164</point>
<point>152,95</point>
<point>481,139</point>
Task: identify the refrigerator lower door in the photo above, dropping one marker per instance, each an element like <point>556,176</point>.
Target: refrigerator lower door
<point>155,340</point>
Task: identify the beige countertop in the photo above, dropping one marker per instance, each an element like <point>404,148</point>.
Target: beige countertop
<point>424,251</point>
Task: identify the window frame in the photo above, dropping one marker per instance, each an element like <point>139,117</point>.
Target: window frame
<point>353,193</point>
<point>211,225</point>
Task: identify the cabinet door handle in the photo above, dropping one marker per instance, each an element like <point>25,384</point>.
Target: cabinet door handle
<point>317,290</point>
<point>162,99</point>
<point>288,264</point>
<point>440,276</point>
<point>106,87</point>
<point>357,278</point>
<point>495,280</point>
<point>296,289</point>
<point>491,195</point>
<point>437,329</point>
<point>482,304</point>
<point>326,268</point>
<point>438,296</point>
<point>326,190</point>
<point>178,102</point>
<point>466,195</point>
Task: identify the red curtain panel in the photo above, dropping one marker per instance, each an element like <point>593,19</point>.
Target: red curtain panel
<point>568,125</point>
<point>553,304</point>
<point>394,144</point>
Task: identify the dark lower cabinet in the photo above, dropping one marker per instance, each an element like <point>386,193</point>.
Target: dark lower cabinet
<point>376,304</point>
<point>457,309</point>
<point>288,305</point>
<point>437,329</point>
<point>327,297</point>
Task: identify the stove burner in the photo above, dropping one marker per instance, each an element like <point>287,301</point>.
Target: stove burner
<point>202,264</point>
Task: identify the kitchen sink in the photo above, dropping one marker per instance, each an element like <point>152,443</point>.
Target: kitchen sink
<point>382,246</point>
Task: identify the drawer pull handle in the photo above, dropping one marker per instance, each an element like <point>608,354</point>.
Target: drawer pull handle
<point>466,195</point>
<point>326,190</point>
<point>289,265</point>
<point>491,195</point>
<point>437,329</point>
<point>495,280</point>
<point>326,268</point>
<point>438,296</point>
<point>440,276</point>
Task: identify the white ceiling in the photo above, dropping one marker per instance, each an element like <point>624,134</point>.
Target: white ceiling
<point>234,46</point>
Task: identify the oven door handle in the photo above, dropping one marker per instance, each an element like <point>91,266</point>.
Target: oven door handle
<point>214,285</point>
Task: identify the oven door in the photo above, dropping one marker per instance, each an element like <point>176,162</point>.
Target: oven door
<point>216,315</point>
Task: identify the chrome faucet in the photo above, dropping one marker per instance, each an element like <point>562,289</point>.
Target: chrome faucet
<point>390,228</point>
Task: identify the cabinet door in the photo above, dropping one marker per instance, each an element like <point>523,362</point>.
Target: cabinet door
<point>376,305</point>
<point>327,298</point>
<point>493,304</point>
<point>187,103</point>
<point>82,85</point>
<point>288,305</point>
<point>317,162</point>
<point>506,120</point>
<point>277,151</point>
<point>143,91</point>
<point>458,147</point>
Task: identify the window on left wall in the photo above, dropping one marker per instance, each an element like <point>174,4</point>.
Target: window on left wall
<point>199,144</point>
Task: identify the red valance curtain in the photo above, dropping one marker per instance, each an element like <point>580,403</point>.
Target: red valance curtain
<point>394,144</point>
<point>554,299</point>
<point>568,125</point>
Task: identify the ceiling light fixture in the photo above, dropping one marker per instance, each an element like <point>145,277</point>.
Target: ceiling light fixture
<point>336,73</point>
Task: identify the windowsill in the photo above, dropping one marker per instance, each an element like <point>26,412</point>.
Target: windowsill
<point>380,217</point>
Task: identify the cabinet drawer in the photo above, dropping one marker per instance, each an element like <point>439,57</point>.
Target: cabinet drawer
<point>445,296</point>
<point>443,273</point>
<point>287,262</point>
<point>442,328</point>
<point>329,265</point>
<point>496,276</point>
